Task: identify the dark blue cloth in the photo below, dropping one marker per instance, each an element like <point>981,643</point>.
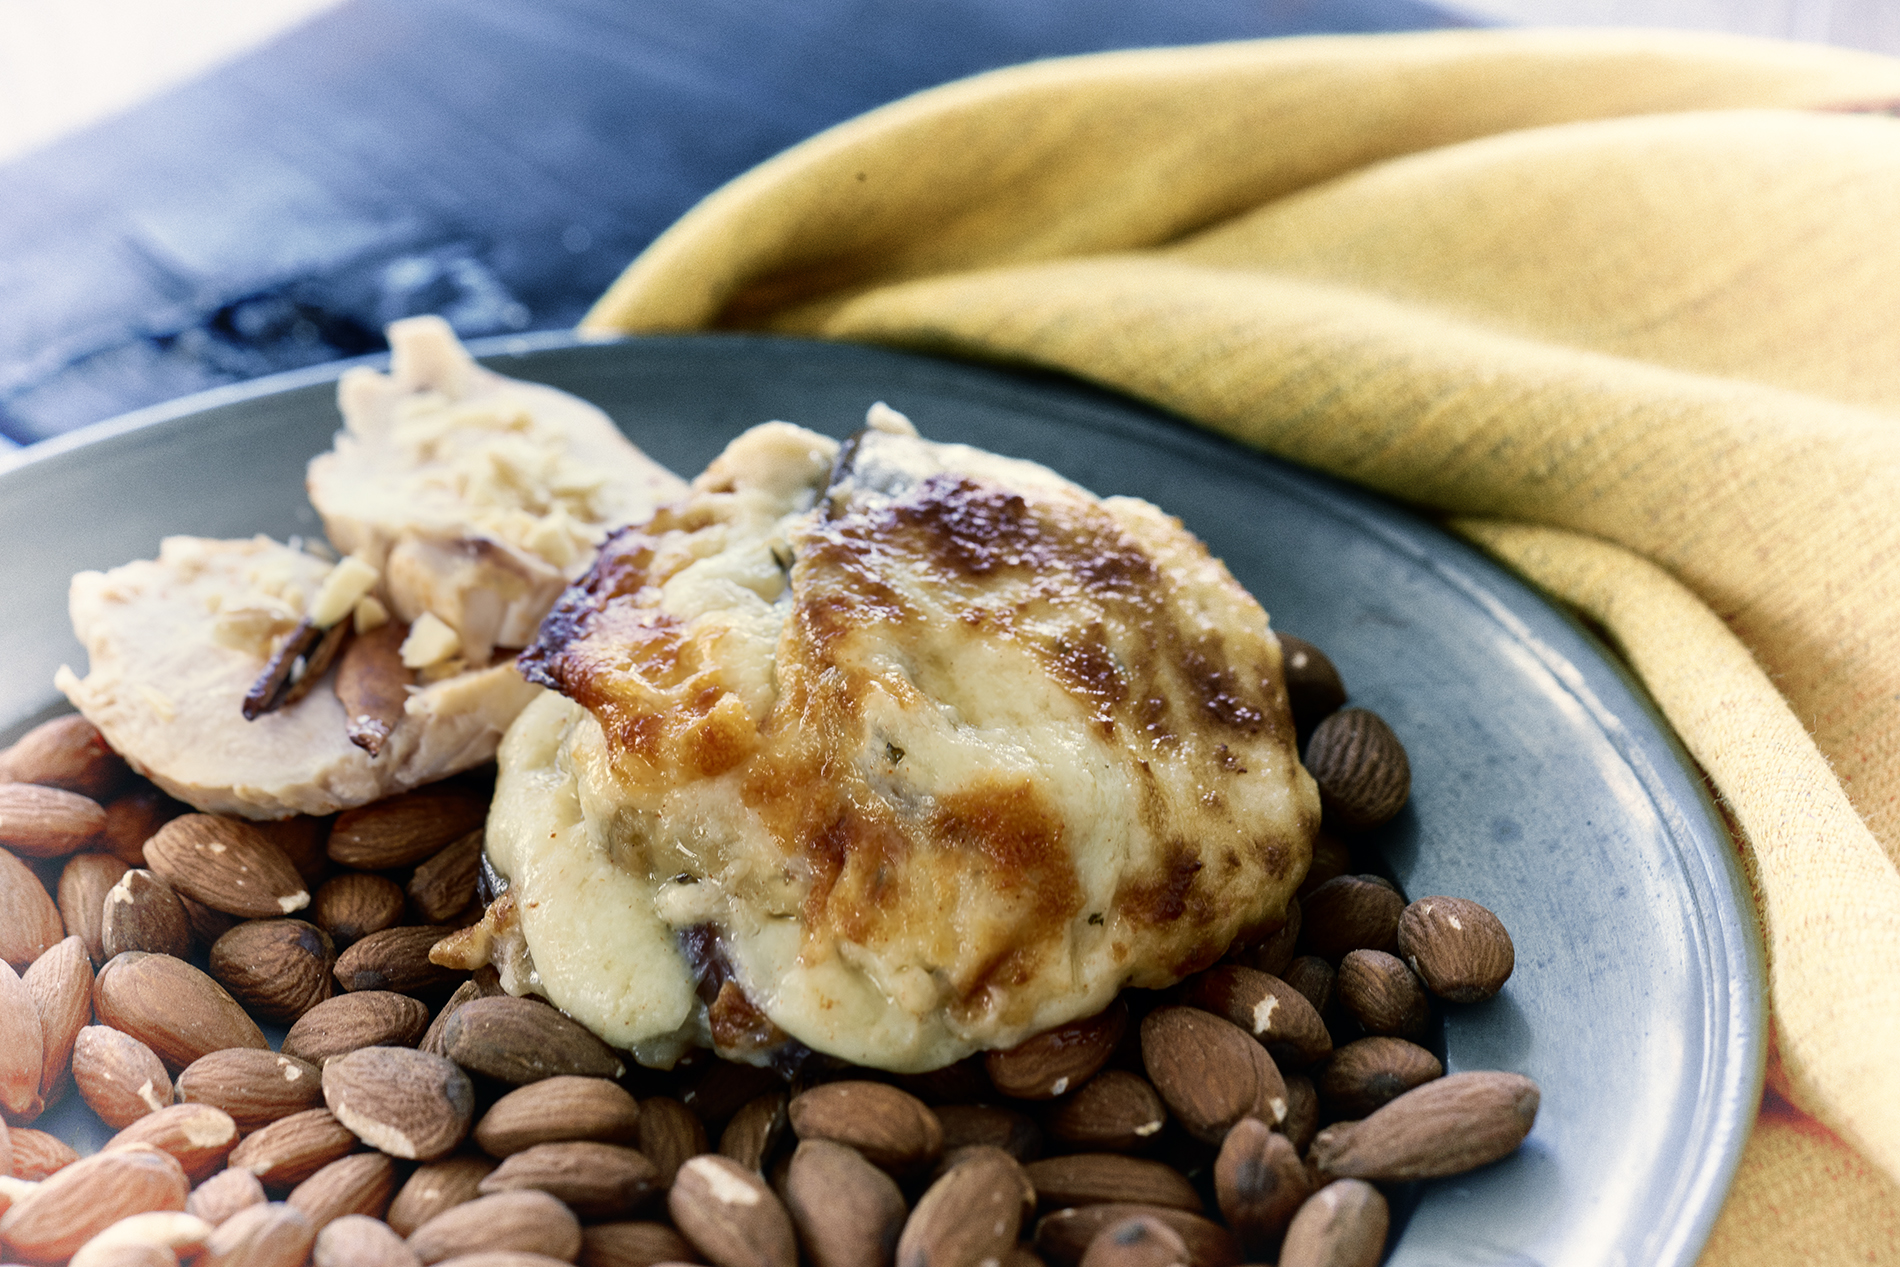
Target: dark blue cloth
<point>497,161</point>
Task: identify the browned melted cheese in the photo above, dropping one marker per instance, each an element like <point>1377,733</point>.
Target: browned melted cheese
<point>1015,747</point>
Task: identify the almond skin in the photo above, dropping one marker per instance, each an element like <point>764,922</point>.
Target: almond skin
<point>29,922</point>
<point>61,986</point>
<point>1116,1110</point>
<point>199,1136</point>
<point>394,959</point>
<point>1259,1182</point>
<point>228,865</point>
<point>730,1216</point>
<point>1275,1013</point>
<point>1098,1178</point>
<point>278,968</point>
<point>408,1103</point>
<point>45,822</point>
<point>360,1183</point>
<point>1141,1241</point>
<point>355,904</point>
<point>290,1150</point>
<point>1205,1068</point>
<point>1056,1060</point>
<point>1350,913</point>
<point>528,1220</point>
<point>37,1154</point>
<point>1365,1074</point>
<point>1458,948</point>
<point>172,1007</point>
<point>1063,1237</point>
<point>598,1181</point>
<point>256,1087</point>
<point>142,913</point>
<point>22,1049</point>
<point>224,1194</point>
<point>892,1128</point>
<point>270,1235</point>
<point>521,1040</point>
<point>120,1078</point>
<point>1342,1225</point>
<point>1445,1127</point>
<point>972,1213</point>
<point>637,1244</point>
<point>753,1134</point>
<point>564,1107</point>
<point>357,1240</point>
<point>400,831</point>
<point>436,1186</point>
<point>1363,775</point>
<point>847,1212</point>
<point>345,1022</point>
<point>67,753</point>
<point>669,1134</point>
<point>965,1125</point>
<point>445,884</point>
<point>1382,994</point>
<point>133,817</point>
<point>69,1208</point>
<point>83,884</point>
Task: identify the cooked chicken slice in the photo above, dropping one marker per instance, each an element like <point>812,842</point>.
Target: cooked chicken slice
<point>903,753</point>
<point>176,643</point>
<point>478,497</point>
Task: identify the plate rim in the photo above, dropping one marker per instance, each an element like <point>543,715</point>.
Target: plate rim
<point>1736,1038</point>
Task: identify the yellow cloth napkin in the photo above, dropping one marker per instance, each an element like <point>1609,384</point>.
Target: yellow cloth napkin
<point>1625,307</point>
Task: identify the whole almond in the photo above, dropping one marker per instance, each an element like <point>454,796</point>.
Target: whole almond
<point>1063,1237</point>
<point>558,1108</point>
<point>357,1240</point>
<point>1274,952</point>
<point>1098,1178</point>
<point>1052,1062</point>
<point>22,1049</point>
<point>1445,1127</point>
<point>669,1133</point>
<point>528,1220</point>
<point>207,925</point>
<point>408,1103</point>
<point>142,913</point>
<point>355,904</point>
<point>132,817</point>
<point>227,864</point>
<point>1259,1181</point>
<point>171,1007</point>
<point>892,1128</point>
<point>400,831</point>
<point>60,982</point>
<point>1368,1073</point>
<point>1313,687</point>
<point>302,838</point>
<point>1205,1068</point>
<point>1382,994</point>
<point>1141,1241</point>
<point>119,1077</point>
<point>46,822</point>
<point>394,959</point>
<point>1302,1112</point>
<point>224,1194</point>
<point>1458,948</point>
<point>1116,1110</point>
<point>1351,912</point>
<point>754,1132</point>
<point>346,1022</point>
<point>83,884</point>
<point>599,1181</point>
<point>278,968</point>
<point>484,984</point>
<point>730,1216</point>
<point>198,1136</point>
<point>1342,1225</point>
<point>436,1186</point>
<point>291,1149</point>
<point>639,1244</point>
<point>70,1207</point>
<point>360,1183</point>
<point>68,753</point>
<point>847,1212</point>
<point>170,1234</point>
<point>520,1040</point>
<point>1313,978</point>
<point>1331,857</point>
<point>1275,1013</point>
<point>966,1125</point>
<point>1360,767</point>
<point>37,1154</point>
<point>270,1235</point>
<point>29,922</point>
<point>445,884</point>
<point>255,1086</point>
<point>973,1213</point>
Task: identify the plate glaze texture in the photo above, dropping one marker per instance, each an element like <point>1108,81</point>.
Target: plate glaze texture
<point>1544,786</point>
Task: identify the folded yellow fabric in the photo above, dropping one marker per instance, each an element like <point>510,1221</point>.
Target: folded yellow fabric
<point>1625,305</point>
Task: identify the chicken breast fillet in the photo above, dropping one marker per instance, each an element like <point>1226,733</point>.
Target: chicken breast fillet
<point>900,752</point>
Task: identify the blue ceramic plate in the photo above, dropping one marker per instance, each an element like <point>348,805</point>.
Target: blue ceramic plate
<point>1544,786</point>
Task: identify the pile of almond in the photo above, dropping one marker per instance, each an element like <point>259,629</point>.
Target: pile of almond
<point>416,1114</point>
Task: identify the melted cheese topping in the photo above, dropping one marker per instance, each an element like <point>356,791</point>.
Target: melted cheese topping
<point>926,753</point>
